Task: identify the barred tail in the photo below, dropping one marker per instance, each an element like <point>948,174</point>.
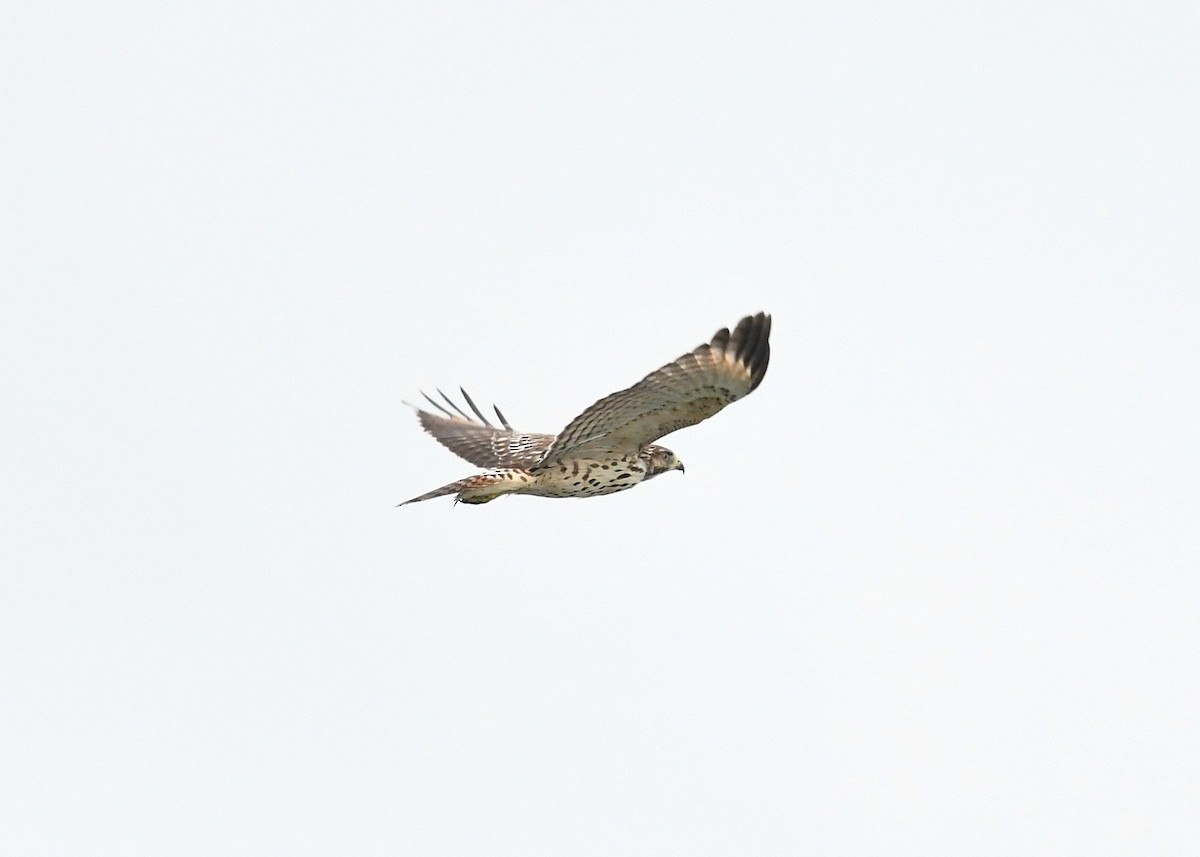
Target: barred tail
<point>479,488</point>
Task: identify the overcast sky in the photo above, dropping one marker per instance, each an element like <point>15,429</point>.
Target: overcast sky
<point>932,589</point>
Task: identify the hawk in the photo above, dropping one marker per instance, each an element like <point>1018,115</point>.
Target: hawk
<point>610,446</point>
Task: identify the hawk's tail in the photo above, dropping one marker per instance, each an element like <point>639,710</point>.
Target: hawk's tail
<point>480,488</point>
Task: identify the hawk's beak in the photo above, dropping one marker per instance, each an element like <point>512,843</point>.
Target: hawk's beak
<point>679,466</point>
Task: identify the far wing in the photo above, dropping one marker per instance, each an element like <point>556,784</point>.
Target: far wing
<point>680,394</point>
<point>477,440</point>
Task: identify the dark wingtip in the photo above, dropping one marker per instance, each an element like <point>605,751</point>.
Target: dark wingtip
<point>458,413</point>
<point>475,408</point>
<point>452,404</point>
<point>431,401</point>
<point>751,345</point>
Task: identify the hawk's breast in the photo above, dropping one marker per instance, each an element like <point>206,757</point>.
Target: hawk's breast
<point>581,477</point>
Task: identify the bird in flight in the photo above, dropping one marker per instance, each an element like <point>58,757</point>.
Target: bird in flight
<point>610,446</point>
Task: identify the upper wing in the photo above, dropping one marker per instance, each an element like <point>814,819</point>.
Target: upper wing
<point>478,441</point>
<point>680,394</point>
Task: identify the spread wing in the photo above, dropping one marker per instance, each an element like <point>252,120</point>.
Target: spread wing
<point>680,394</point>
<point>477,440</point>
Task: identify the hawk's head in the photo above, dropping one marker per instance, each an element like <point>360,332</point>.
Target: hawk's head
<point>659,459</point>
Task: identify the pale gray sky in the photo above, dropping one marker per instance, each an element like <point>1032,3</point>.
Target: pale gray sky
<point>932,589</point>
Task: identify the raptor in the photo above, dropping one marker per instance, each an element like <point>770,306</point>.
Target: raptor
<point>610,446</point>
